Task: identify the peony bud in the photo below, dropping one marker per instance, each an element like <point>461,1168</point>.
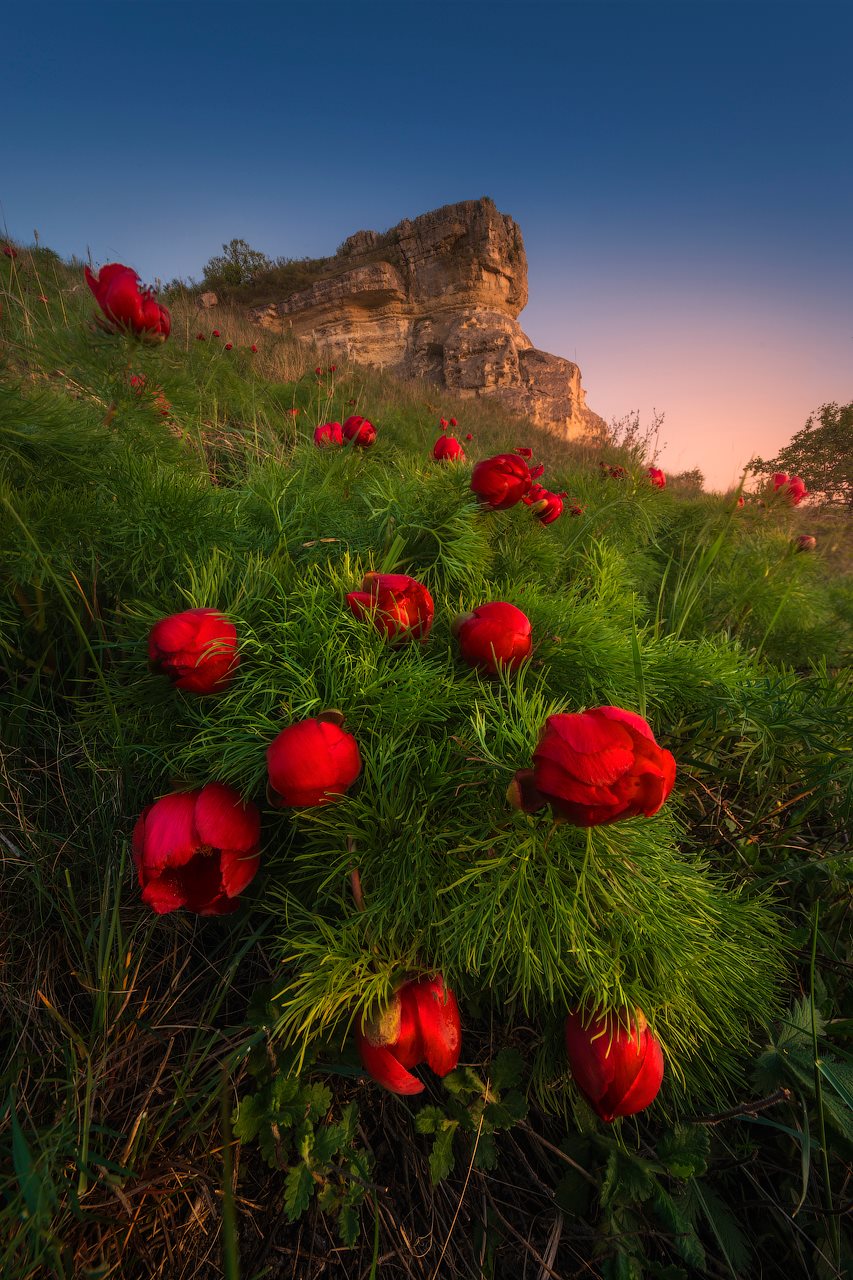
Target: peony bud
<point>360,431</point>
<point>601,766</point>
<point>494,635</point>
<point>502,481</point>
<point>657,477</point>
<point>421,1024</point>
<point>197,649</point>
<point>399,606</point>
<point>618,1070</point>
<point>329,434</point>
<point>197,850</point>
<point>312,763</point>
<point>448,449</point>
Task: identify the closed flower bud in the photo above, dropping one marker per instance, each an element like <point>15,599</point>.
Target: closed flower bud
<point>328,435</point>
<point>657,477</point>
<point>421,1024</point>
<point>448,449</point>
<point>215,333</point>
<point>399,606</point>
<point>618,1069</point>
<point>790,487</point>
<point>502,481</point>
<point>360,431</point>
<point>197,650</point>
<point>197,850</point>
<point>494,635</point>
<point>228,346</point>
<point>253,348</point>
<point>312,763</point>
<point>125,304</point>
<point>600,766</point>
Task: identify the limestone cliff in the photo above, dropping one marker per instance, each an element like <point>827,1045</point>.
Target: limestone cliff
<point>438,297</point>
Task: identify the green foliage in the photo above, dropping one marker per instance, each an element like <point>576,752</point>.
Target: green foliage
<point>238,264</point>
<point>821,453</point>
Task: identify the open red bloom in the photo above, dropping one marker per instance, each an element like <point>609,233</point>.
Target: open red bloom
<point>328,434</point>
<point>545,505</point>
<point>360,431</point>
<point>596,767</point>
<point>312,763</point>
<point>453,422</point>
<point>399,606</point>
<point>791,487</point>
<point>197,650</point>
<point>501,481</point>
<point>125,304</point>
<point>657,477</point>
<point>619,1070</point>
<point>493,634</point>
<point>197,850</point>
<point>421,1024</point>
<point>215,333</point>
<point>442,422</point>
<point>448,449</point>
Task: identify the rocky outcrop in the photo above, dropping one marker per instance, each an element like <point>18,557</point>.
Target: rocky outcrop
<point>438,297</point>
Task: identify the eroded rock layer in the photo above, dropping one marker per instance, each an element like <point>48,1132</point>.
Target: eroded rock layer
<point>438,297</point>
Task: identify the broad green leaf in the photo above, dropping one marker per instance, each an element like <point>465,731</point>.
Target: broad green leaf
<point>684,1150</point>
<point>298,1189</point>
<point>441,1159</point>
<point>507,1070</point>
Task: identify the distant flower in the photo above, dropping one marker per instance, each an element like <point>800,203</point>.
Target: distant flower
<point>453,422</point>
<point>137,381</point>
<point>442,422</point>
<point>328,434</point>
<point>216,333</point>
<point>199,337</point>
<point>293,413</point>
<point>43,298</point>
<point>332,368</point>
<point>469,436</point>
<point>806,542</point>
<point>399,606</point>
<point>312,763</point>
<point>9,251</point>
<point>351,402</point>
<point>740,501</point>
<point>125,304</point>
<point>253,349</point>
<point>791,487</point>
<point>197,850</point>
<point>657,477</point>
<point>421,1024</point>
<point>596,767</point>
<point>619,1070</point>
<point>318,371</point>
<point>196,649</point>
<point>228,346</point>
<point>448,449</point>
<point>501,481</point>
<point>360,431</point>
<point>494,634</point>
<point>575,511</point>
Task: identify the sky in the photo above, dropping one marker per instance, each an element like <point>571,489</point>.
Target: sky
<point>682,173</point>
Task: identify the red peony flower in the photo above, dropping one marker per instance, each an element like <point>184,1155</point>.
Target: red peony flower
<point>199,337</point>
<point>806,542</point>
<point>740,500</point>
<point>544,504</point>
<point>197,850</point>
<point>318,371</point>
<point>421,1024</point>
<point>618,1070</point>
<point>312,763</point>
<point>398,606</point>
<point>575,511</point>
<point>360,431</point>
<point>253,349</point>
<point>332,368</point>
<point>442,422</point>
<point>228,346</point>
<point>197,650</point>
<point>657,477</point>
<point>502,481</point>
<point>791,487</point>
<point>216,333</point>
<point>137,381</point>
<point>453,422</point>
<point>293,413</point>
<point>494,634</point>
<point>125,304</point>
<point>469,436</point>
<point>328,434</point>
<point>9,251</point>
<point>448,449</point>
<point>596,767</point>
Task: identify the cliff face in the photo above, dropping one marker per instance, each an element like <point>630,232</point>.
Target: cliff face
<point>438,297</point>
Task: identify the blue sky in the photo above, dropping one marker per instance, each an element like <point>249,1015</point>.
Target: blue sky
<point>681,172</point>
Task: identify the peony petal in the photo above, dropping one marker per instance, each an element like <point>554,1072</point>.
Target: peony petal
<point>170,837</point>
<point>381,1064</point>
<point>164,893</point>
<point>223,820</point>
<point>438,1016</point>
<point>629,718</point>
<point>647,1082</point>
<point>238,870</point>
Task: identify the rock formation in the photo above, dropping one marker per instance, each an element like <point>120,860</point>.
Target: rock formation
<point>438,297</point>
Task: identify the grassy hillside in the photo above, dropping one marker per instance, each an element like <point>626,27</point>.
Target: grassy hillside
<point>183,1096</point>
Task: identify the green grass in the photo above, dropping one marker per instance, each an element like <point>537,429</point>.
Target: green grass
<point>130,1037</point>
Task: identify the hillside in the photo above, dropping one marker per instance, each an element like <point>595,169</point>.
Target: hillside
<point>185,1094</point>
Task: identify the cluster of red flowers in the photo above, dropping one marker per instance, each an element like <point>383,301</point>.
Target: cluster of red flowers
<point>356,430</point>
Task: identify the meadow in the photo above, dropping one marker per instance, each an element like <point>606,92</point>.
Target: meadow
<point>182,1095</point>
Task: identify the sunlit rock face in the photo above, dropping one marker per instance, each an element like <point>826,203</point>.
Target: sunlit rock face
<point>438,297</point>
